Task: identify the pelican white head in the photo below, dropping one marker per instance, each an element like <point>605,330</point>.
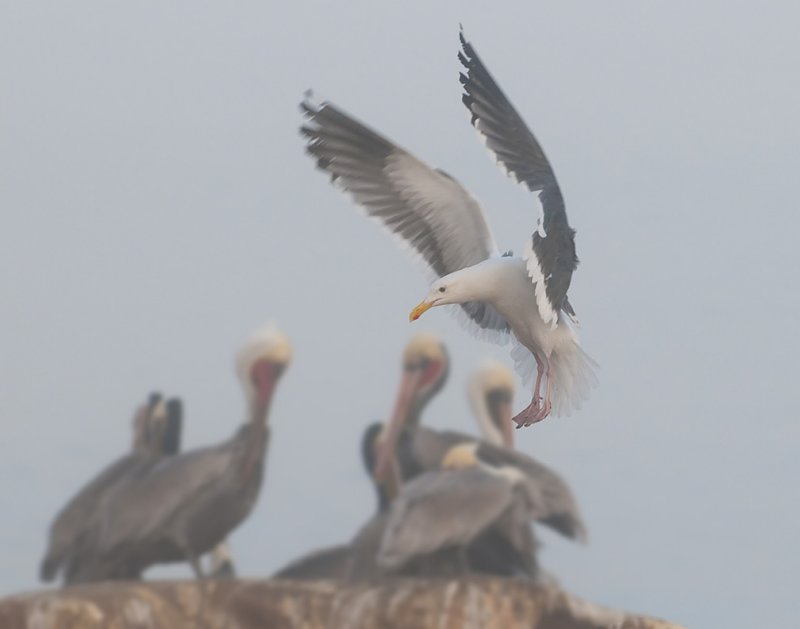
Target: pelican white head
<point>260,363</point>
<point>425,369</point>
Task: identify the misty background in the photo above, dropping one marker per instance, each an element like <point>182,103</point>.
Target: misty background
<point>156,206</point>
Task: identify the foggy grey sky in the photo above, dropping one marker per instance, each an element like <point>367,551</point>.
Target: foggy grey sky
<point>157,206</point>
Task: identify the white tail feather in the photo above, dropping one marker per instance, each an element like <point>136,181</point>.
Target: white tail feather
<point>573,378</point>
<point>573,370</point>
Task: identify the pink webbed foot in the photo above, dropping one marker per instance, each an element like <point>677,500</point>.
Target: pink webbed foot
<point>535,412</point>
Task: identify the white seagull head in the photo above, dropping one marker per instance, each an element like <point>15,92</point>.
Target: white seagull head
<point>450,289</point>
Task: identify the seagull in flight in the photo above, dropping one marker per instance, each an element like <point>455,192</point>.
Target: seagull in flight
<point>502,297</point>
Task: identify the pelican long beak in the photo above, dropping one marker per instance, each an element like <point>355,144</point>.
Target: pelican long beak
<point>387,442</point>
<point>507,424</point>
<point>264,374</point>
<point>390,483</point>
<point>419,309</point>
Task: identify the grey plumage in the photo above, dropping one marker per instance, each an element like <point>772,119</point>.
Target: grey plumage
<point>429,212</point>
<point>552,501</point>
<point>171,442</point>
<point>71,534</point>
<point>492,532</point>
<point>436,524</point>
<point>487,530</point>
<point>185,505</point>
<point>421,449</point>
<point>419,205</point>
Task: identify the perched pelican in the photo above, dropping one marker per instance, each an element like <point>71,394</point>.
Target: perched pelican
<point>467,516</point>
<point>404,442</point>
<point>192,501</point>
<point>156,429</point>
<point>501,296</point>
<point>473,514</point>
<point>413,449</point>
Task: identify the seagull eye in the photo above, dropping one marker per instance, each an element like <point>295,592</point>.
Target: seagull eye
<point>441,289</point>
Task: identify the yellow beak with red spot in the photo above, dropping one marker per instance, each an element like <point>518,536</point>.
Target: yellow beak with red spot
<point>419,310</point>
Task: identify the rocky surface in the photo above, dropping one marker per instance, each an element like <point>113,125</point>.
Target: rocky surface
<point>479,603</point>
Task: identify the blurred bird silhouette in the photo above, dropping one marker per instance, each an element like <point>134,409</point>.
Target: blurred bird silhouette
<point>188,504</point>
<point>414,448</point>
<point>156,434</point>
<point>472,511</point>
<point>467,504</point>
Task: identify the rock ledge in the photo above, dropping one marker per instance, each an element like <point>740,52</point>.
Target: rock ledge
<point>479,603</point>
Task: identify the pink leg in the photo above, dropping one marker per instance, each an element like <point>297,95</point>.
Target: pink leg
<point>547,406</point>
<point>537,387</point>
<point>536,411</point>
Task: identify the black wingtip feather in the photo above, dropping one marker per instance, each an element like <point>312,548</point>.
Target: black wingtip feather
<point>467,100</point>
<point>308,132</point>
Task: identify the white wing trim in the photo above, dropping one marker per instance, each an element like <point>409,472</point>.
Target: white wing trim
<point>546,310</point>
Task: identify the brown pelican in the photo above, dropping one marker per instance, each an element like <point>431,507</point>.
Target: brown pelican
<point>473,513</point>
<point>156,433</point>
<point>413,449</point>
<point>189,503</point>
<point>466,517</point>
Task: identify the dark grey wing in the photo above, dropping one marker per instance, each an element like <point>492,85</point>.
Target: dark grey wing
<point>550,500</point>
<point>75,519</point>
<point>71,522</point>
<point>426,210</point>
<point>508,547</point>
<point>550,255</point>
<point>439,510</point>
<point>569,310</point>
<point>144,509</point>
<point>429,446</point>
<point>365,545</point>
<point>171,440</point>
